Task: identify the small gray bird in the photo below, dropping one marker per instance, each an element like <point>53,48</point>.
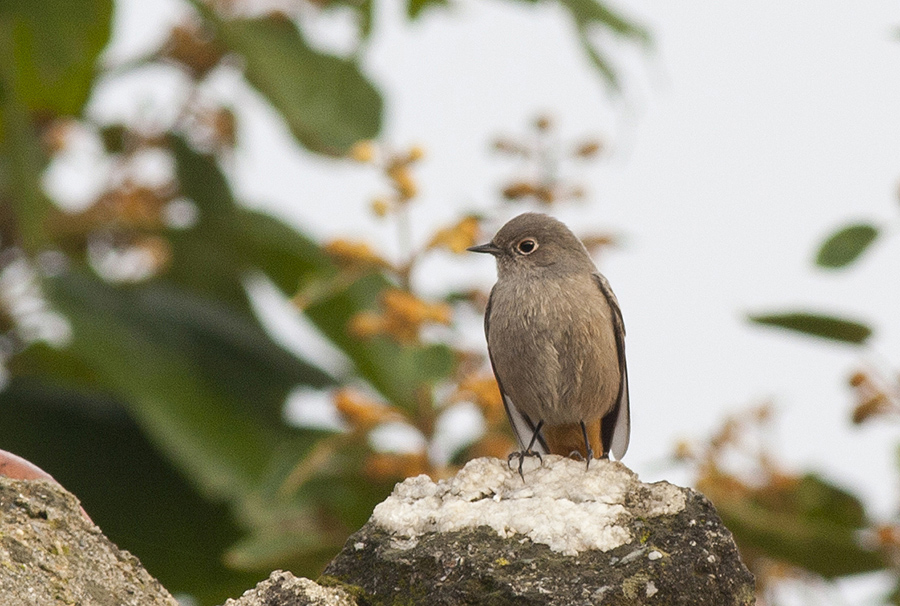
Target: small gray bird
<point>556,341</point>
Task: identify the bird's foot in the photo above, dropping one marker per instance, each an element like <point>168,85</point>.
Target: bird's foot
<point>521,454</point>
<point>576,454</point>
<point>587,447</point>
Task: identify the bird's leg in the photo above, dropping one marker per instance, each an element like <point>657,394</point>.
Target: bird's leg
<point>587,446</point>
<point>576,454</point>
<point>527,452</point>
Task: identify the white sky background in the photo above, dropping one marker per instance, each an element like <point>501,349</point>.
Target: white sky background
<point>747,135</point>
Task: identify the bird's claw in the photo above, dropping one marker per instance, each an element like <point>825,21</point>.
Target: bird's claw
<point>576,454</point>
<point>521,454</point>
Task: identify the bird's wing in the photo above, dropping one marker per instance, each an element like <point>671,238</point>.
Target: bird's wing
<point>521,424</point>
<point>615,427</point>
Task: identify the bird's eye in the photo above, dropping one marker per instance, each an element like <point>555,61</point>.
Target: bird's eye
<point>527,246</point>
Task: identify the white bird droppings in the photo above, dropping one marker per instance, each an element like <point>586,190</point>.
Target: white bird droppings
<point>559,504</point>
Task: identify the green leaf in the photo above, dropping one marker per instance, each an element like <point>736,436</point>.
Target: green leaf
<point>287,257</point>
<point>55,47</point>
<point>229,242</point>
<point>326,101</point>
<point>206,385</point>
<point>846,245</point>
<point>290,260</point>
<point>414,8</point>
<point>590,15</point>
<point>204,259</point>
<point>202,181</point>
<point>296,546</point>
<point>22,162</point>
<point>113,137</point>
<point>47,54</point>
<point>223,344</point>
<point>366,12</point>
<point>826,327</point>
<point>809,523</point>
<point>593,12</point>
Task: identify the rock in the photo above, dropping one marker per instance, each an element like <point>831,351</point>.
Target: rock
<point>52,554</point>
<point>564,536</point>
<point>284,589</point>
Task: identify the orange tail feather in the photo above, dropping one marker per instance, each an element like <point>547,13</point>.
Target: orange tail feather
<point>566,439</point>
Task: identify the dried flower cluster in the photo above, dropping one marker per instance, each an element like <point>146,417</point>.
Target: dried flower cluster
<point>129,217</point>
<point>397,167</point>
<point>402,316</point>
<point>877,396</point>
<point>736,469</point>
<point>542,155</point>
<point>734,465</point>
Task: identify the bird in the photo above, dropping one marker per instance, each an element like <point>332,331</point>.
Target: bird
<point>556,343</point>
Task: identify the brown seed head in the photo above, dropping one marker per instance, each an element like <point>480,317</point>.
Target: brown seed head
<point>588,149</point>
<point>519,189</point>
<point>391,466</point>
<point>858,378</point>
<point>195,49</point>
<point>362,151</point>
<point>362,412</point>
<point>349,253</point>
<point>458,237</point>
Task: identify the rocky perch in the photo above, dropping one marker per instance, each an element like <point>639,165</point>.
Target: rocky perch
<point>562,536</point>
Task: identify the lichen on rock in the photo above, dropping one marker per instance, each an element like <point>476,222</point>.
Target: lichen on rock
<point>284,589</point>
<point>51,553</point>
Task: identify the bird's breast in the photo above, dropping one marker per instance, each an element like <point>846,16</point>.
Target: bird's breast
<point>553,347</point>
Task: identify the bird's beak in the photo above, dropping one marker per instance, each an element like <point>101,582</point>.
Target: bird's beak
<point>489,248</point>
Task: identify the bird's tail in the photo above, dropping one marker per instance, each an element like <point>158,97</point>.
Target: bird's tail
<point>568,438</point>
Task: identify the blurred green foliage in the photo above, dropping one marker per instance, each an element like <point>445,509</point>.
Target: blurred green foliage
<point>807,522</point>
<point>844,246</point>
<point>840,250</point>
<point>325,100</point>
<point>787,525</point>
<point>163,410</point>
<point>817,325</point>
<point>50,50</point>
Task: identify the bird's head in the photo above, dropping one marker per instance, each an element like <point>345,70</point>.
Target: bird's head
<point>533,241</point>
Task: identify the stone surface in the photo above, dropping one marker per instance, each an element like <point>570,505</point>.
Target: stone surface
<point>564,536</point>
<point>284,589</point>
<point>561,505</point>
<point>52,554</point>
